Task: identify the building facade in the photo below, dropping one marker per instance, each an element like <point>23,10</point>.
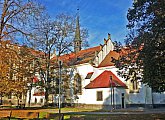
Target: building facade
<point>99,85</point>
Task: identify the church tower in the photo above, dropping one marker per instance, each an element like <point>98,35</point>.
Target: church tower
<point>77,39</point>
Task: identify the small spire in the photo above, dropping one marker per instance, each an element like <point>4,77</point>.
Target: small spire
<point>109,36</point>
<point>77,39</point>
<point>77,33</point>
<point>105,41</point>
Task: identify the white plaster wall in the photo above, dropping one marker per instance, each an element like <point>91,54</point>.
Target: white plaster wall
<point>106,48</point>
<point>83,70</point>
<point>100,56</point>
<point>144,96</point>
<point>33,97</point>
<point>96,73</point>
<point>159,98</point>
<point>90,96</point>
<point>113,69</point>
<point>110,45</point>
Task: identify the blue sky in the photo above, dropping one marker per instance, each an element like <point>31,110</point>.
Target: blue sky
<point>100,17</point>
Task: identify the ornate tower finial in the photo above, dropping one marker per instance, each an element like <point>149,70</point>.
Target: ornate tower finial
<point>77,39</point>
<point>109,36</point>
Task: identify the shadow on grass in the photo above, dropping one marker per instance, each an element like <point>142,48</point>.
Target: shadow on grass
<point>118,114</point>
<point>86,114</point>
<point>157,116</point>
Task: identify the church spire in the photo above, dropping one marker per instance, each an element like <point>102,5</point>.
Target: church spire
<point>77,39</point>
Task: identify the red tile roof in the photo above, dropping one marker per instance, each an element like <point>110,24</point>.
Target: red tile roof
<point>108,59</point>
<point>83,56</point>
<point>130,54</point>
<point>36,53</point>
<point>39,94</point>
<point>103,81</point>
<point>35,79</point>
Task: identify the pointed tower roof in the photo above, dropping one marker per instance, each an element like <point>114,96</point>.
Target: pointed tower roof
<point>77,39</point>
<point>77,33</point>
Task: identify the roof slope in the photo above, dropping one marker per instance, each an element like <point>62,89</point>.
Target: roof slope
<point>108,59</point>
<point>103,81</point>
<point>83,56</point>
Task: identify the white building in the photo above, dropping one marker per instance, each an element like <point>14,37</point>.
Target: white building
<point>94,81</point>
<point>101,86</point>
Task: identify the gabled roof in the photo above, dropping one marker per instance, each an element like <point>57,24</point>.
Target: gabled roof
<point>83,56</point>
<point>108,59</point>
<point>103,81</point>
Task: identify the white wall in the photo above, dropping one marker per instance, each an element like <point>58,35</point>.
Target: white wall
<point>106,48</point>
<point>159,98</point>
<point>83,70</point>
<point>90,96</point>
<point>144,96</point>
<point>33,97</point>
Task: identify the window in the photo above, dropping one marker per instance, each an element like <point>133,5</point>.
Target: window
<point>89,75</point>
<point>41,100</point>
<point>99,95</point>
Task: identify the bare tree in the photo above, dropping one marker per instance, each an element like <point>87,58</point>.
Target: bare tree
<point>50,36</point>
<point>16,18</point>
<point>57,37</point>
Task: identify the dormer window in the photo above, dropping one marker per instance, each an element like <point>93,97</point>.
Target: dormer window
<point>89,75</point>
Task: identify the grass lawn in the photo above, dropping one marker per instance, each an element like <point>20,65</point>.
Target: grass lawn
<point>117,117</point>
<point>71,114</point>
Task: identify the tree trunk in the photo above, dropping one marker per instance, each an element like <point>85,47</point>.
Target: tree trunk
<point>46,96</point>
<point>29,97</point>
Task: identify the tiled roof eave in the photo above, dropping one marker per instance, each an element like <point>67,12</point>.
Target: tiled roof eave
<point>107,87</point>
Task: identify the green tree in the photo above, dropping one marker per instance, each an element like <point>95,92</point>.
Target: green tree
<point>147,31</point>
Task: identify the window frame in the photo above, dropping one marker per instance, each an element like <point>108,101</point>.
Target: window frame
<point>98,97</point>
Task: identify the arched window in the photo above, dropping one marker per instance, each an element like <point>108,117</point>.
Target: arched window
<point>77,84</point>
